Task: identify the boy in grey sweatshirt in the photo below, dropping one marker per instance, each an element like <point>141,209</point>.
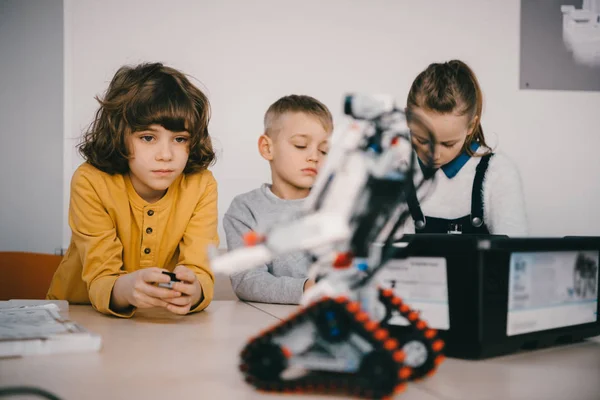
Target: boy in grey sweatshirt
<point>295,142</point>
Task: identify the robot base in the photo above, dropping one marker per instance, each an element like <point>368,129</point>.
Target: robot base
<point>334,347</point>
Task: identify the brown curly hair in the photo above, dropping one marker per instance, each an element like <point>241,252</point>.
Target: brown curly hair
<point>138,97</point>
<point>450,87</point>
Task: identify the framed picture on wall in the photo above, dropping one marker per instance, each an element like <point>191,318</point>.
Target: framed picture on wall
<point>560,45</point>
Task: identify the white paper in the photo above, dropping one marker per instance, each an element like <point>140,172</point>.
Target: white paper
<point>40,329</point>
<point>30,322</point>
<point>422,283</point>
<point>551,290</point>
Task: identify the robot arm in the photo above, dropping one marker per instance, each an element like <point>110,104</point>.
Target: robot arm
<point>304,234</point>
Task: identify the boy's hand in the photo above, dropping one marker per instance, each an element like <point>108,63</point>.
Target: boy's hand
<point>190,289</point>
<point>308,284</point>
<point>138,289</point>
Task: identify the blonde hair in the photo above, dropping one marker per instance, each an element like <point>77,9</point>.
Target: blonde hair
<point>297,103</point>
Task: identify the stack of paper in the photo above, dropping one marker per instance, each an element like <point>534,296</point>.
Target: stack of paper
<point>27,329</point>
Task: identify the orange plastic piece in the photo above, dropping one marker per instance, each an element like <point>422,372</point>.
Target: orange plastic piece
<point>399,356</point>
<point>439,359</point>
<point>387,293</point>
<point>405,373</point>
<point>390,344</point>
<point>343,260</point>
<point>353,307</point>
<point>286,352</point>
<point>252,238</point>
<point>341,299</point>
<point>381,334</point>
<point>396,301</point>
<point>430,333</point>
<point>400,388</point>
<point>437,345</point>
<point>371,326</point>
<point>413,316</point>
<point>421,325</point>
<point>404,308</point>
<point>362,316</point>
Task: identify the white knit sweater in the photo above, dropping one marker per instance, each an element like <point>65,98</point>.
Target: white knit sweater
<point>503,203</point>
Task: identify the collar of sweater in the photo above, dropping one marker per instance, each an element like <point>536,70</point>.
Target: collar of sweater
<point>453,167</point>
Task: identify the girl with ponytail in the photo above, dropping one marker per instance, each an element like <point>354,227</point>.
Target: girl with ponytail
<point>477,191</point>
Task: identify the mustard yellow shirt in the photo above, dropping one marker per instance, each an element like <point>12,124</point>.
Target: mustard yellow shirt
<point>115,232</point>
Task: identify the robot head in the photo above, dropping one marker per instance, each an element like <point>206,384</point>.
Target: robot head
<point>389,122</point>
<point>368,107</point>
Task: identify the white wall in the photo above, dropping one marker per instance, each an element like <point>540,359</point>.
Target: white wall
<point>246,54</point>
<point>31,125</point>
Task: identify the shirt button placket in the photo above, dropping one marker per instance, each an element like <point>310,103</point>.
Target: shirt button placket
<point>147,257</point>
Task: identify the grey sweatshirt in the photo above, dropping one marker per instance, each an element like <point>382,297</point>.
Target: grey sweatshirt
<point>282,280</point>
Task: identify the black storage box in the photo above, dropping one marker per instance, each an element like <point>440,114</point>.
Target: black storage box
<point>484,271</point>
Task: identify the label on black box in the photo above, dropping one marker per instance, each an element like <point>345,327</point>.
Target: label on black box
<point>423,284</point>
<point>550,290</point>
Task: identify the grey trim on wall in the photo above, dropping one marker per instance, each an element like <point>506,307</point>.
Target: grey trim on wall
<point>31,125</point>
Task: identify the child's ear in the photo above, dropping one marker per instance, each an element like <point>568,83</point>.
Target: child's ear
<point>473,125</point>
<point>265,147</point>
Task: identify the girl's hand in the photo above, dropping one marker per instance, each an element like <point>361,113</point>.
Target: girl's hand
<point>138,289</point>
<point>190,289</point>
